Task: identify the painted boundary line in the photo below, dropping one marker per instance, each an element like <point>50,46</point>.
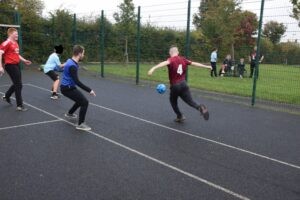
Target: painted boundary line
<point>189,134</point>
<point>5,85</point>
<point>197,178</point>
<point>218,187</point>
<point>30,124</point>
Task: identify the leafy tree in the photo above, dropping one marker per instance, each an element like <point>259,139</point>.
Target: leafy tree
<point>296,10</point>
<point>200,16</point>
<point>62,23</point>
<point>270,51</point>
<point>221,24</point>
<point>31,23</point>
<point>243,34</point>
<point>126,20</point>
<point>7,12</point>
<point>274,31</point>
<point>6,16</point>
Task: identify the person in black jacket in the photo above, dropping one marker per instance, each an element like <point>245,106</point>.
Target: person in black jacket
<point>227,63</point>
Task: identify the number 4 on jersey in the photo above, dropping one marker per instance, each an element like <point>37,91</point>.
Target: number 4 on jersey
<point>179,69</point>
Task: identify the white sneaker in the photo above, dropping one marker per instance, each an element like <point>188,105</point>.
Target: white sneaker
<point>54,97</point>
<point>71,116</point>
<point>179,119</point>
<point>21,108</point>
<point>83,127</point>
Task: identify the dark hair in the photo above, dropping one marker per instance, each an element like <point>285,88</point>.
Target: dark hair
<point>214,49</point>
<point>59,49</point>
<point>77,49</point>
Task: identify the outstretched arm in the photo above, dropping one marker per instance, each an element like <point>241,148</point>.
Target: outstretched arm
<point>27,62</point>
<point>200,65</point>
<point>1,67</point>
<point>262,58</point>
<point>162,64</point>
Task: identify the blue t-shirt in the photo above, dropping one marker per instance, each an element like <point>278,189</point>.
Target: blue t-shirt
<point>52,63</point>
<point>67,80</point>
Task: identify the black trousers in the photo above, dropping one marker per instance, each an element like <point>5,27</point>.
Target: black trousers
<point>14,73</point>
<point>214,69</point>
<point>252,67</point>
<point>181,90</point>
<point>241,70</point>
<point>80,101</point>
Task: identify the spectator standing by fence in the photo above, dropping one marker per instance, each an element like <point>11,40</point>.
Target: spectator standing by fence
<point>241,67</point>
<point>252,58</point>
<point>213,62</point>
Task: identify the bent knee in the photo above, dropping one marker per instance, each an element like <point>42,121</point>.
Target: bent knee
<point>84,102</point>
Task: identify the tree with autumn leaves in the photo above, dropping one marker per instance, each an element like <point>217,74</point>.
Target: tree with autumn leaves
<point>227,27</point>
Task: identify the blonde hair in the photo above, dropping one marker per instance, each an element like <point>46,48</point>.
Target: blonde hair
<point>11,30</point>
<point>174,50</point>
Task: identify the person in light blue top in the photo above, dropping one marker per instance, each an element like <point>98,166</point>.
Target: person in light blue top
<point>53,64</point>
<point>213,62</point>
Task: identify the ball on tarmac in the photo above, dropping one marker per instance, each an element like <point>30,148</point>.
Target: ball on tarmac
<point>161,88</point>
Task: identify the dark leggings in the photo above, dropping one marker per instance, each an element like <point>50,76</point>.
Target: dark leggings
<point>252,67</point>
<point>181,90</point>
<point>214,69</point>
<point>14,73</point>
<point>80,101</point>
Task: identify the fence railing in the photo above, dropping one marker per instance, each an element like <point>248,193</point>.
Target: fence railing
<point>129,51</point>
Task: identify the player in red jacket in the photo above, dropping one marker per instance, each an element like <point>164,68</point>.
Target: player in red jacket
<point>9,50</point>
<point>177,67</point>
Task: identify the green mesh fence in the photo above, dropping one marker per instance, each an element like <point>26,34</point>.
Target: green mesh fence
<point>279,73</point>
<point>112,47</point>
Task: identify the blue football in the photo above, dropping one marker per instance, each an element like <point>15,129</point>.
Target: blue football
<point>161,88</point>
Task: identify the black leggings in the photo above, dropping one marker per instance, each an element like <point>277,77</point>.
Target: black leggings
<point>181,90</point>
<point>80,101</point>
<point>214,69</point>
<point>252,67</point>
<point>14,73</point>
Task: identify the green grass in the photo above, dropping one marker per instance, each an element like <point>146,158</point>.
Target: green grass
<point>279,83</point>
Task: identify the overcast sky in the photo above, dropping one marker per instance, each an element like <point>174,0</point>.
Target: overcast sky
<point>172,13</point>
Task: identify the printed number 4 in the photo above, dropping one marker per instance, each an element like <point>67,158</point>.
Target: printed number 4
<point>179,70</point>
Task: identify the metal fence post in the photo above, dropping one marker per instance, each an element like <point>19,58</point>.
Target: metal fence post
<point>257,54</point>
<point>74,30</point>
<point>102,24</point>
<point>188,39</point>
<point>18,22</point>
<point>138,46</point>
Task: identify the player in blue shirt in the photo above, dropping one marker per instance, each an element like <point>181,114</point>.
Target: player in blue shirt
<point>68,88</point>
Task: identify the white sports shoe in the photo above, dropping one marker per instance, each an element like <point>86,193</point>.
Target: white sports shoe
<point>55,97</point>
<point>21,108</point>
<point>83,127</point>
<point>71,116</point>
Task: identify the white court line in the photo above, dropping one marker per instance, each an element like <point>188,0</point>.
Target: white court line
<point>218,187</point>
<point>189,134</point>
<point>30,124</point>
<point>197,178</point>
<point>7,85</point>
